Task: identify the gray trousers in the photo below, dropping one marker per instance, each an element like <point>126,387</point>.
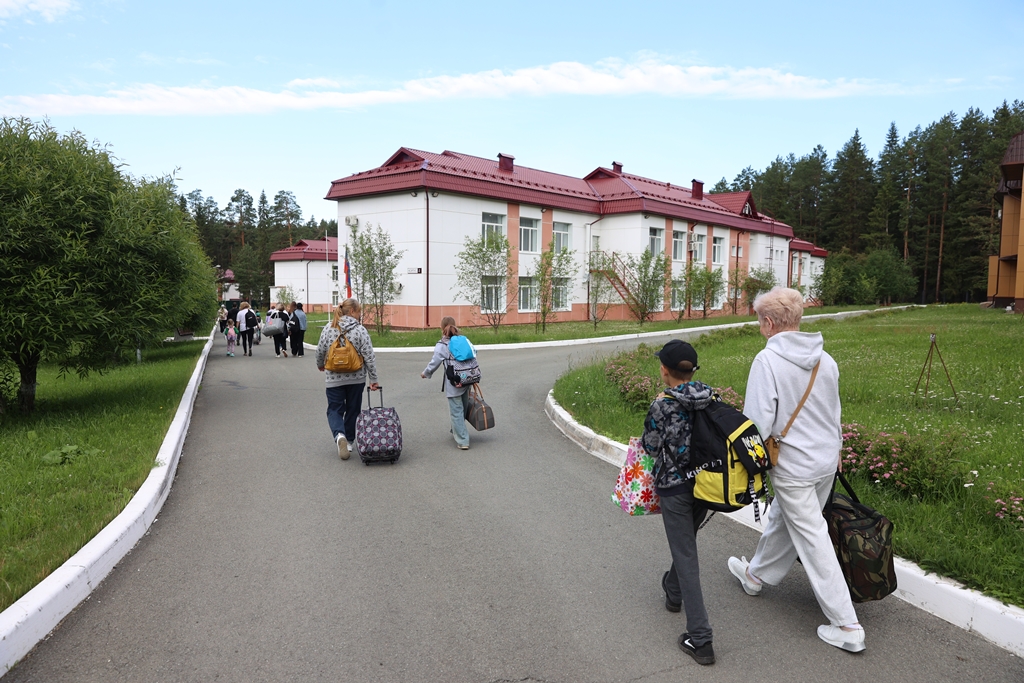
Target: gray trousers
<point>682,515</point>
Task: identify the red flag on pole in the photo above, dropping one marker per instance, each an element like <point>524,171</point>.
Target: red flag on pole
<point>348,277</point>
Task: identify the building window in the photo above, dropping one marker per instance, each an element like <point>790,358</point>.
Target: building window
<point>656,246</point>
<point>595,243</point>
<point>334,298</point>
<point>736,251</point>
<point>560,294</point>
<point>493,224</point>
<point>334,272</point>
<point>561,236</point>
<point>529,237</point>
<point>492,294</point>
<point>717,249</point>
<point>678,245</point>
<point>527,294</point>
<point>678,294</point>
<point>698,248</point>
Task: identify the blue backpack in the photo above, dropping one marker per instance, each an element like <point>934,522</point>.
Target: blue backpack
<point>461,349</point>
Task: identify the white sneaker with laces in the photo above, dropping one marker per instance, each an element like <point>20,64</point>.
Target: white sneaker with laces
<point>344,449</point>
<point>851,641</point>
<point>738,568</point>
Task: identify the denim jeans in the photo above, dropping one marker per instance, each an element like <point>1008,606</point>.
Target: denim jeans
<point>343,406</point>
<point>457,406</point>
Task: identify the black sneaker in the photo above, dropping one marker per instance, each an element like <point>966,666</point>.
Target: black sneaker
<point>669,605</point>
<point>703,654</point>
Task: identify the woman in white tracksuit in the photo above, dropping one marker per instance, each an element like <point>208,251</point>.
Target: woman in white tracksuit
<point>808,459</point>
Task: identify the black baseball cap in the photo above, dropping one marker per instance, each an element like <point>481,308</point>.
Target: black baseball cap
<point>675,352</point>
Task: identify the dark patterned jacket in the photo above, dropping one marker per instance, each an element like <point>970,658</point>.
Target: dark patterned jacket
<point>667,430</point>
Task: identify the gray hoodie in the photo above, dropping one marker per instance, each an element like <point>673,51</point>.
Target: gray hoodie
<point>778,378</point>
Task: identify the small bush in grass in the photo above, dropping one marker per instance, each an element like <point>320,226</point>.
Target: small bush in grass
<point>1006,505</point>
<point>730,397</point>
<point>626,370</point>
<point>906,463</point>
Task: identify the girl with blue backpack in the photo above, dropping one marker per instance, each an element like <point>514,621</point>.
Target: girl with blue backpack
<point>458,358</point>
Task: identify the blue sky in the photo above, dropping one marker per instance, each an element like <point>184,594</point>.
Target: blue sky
<point>272,96</point>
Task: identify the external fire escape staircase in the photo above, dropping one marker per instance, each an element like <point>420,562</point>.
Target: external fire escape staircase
<point>615,269</point>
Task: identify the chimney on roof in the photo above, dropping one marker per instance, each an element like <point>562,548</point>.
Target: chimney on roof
<point>697,192</point>
<point>506,162</point>
<point>617,166</point>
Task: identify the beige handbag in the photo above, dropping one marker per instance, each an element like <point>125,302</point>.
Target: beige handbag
<point>773,443</point>
<point>342,356</point>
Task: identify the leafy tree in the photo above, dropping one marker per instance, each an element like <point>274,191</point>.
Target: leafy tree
<point>648,286</point>
<point>92,265</point>
<point>758,281</point>
<point>892,276</point>
<point>551,271</point>
<point>744,180</point>
<point>600,291</point>
<point>285,213</point>
<point>487,277</point>
<point>373,262</point>
<point>683,291</point>
<point>708,286</point>
<point>721,186</point>
<point>737,279</point>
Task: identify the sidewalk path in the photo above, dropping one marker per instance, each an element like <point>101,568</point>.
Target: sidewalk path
<point>274,561</point>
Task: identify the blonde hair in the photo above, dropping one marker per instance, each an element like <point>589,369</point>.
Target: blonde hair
<point>448,328</point>
<point>244,305</point>
<point>784,306</point>
<point>346,307</point>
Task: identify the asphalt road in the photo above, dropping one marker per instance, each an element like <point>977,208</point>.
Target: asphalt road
<point>272,560</point>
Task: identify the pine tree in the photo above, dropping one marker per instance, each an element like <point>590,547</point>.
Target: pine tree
<point>851,194</point>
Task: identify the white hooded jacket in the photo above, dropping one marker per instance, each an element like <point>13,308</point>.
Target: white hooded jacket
<point>778,378</point>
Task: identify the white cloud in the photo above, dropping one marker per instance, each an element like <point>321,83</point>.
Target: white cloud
<point>611,77</point>
<point>48,9</point>
<point>313,83</point>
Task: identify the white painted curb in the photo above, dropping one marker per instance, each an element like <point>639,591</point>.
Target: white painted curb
<point>36,613</point>
<point>970,610</point>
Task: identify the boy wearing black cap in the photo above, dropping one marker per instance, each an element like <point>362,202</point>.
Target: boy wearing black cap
<point>666,438</point>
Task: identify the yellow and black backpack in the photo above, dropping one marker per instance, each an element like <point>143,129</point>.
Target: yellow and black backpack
<point>730,459</point>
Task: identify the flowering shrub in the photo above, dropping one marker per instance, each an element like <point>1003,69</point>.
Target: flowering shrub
<point>1008,506</point>
<point>904,462</point>
<point>730,397</point>
<point>637,387</point>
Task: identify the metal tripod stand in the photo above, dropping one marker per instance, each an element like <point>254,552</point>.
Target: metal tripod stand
<point>934,349</point>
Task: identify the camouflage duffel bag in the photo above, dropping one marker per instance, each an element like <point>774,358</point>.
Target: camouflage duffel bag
<point>862,538</point>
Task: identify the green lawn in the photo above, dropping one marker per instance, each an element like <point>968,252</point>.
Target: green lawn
<point>880,358</point>
<point>117,421</point>
<point>518,334</point>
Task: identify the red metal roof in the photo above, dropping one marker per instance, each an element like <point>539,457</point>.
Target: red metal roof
<point>309,250</point>
<point>804,245</point>
<point>602,192</point>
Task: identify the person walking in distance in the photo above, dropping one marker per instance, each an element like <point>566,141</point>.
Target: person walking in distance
<point>345,390</point>
<point>458,398</point>
<point>667,431</point>
<point>280,340</point>
<point>802,480</point>
<point>298,329</point>
<point>247,322</point>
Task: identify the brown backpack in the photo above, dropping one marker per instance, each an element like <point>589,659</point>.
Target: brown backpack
<point>342,356</point>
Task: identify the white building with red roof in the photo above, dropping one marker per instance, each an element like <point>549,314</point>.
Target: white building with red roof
<point>309,268</point>
<point>430,203</point>
<point>806,264</point>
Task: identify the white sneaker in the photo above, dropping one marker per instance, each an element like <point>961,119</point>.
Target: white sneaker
<point>349,447</point>
<point>851,641</point>
<point>344,449</point>
<point>738,568</point>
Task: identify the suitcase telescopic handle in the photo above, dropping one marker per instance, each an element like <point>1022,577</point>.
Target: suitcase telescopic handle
<point>369,392</point>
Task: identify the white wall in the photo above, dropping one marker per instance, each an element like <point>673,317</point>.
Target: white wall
<point>310,281</point>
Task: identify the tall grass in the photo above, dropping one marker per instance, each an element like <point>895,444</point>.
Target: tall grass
<point>958,531</point>
<point>54,498</point>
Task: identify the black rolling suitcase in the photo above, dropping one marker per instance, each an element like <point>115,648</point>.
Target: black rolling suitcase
<point>378,433</point>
